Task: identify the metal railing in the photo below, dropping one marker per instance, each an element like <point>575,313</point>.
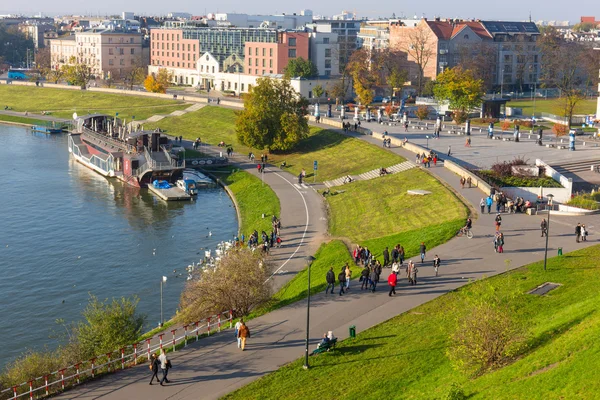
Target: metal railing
<point>124,357</point>
<point>107,139</point>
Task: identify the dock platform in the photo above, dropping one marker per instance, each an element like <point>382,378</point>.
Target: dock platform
<point>171,194</point>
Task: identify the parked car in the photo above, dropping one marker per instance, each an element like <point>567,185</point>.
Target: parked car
<point>386,100</point>
<point>377,99</point>
<point>578,131</point>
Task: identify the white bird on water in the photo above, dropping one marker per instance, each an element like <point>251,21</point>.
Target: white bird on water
<point>209,233</point>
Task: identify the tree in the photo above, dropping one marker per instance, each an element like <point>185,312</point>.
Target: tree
<point>338,90</point>
<point>584,27</point>
<point>158,83</point>
<point>364,79</point>
<point>481,59</point>
<point>136,74</point>
<point>14,45</point>
<point>422,112</point>
<point>108,325</point>
<point>76,73</point>
<point>318,91</point>
<point>396,79</point>
<point>42,59</point>
<point>420,50</point>
<point>55,74</point>
<point>240,282</point>
<point>300,68</point>
<point>273,117</point>
<point>460,88</point>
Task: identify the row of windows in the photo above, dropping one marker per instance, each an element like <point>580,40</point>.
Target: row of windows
<point>121,51</point>
<point>121,61</point>
<point>172,64</point>
<point>121,40</point>
<point>263,52</point>
<point>162,36</point>
<point>173,47</point>
<point>263,62</point>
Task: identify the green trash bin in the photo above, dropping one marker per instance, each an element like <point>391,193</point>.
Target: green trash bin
<point>560,251</point>
<point>352,331</point>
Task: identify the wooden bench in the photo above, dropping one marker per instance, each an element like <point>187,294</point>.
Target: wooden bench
<point>325,348</point>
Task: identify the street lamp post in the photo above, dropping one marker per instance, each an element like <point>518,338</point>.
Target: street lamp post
<point>427,145</point>
<point>550,197</point>
<point>309,261</point>
<point>164,279</point>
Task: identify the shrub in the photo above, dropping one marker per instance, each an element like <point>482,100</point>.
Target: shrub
<point>526,123</point>
<point>485,120</point>
<point>559,129</point>
<point>504,169</point>
<point>422,112</point>
<point>456,393</point>
<point>505,125</point>
<point>459,117</point>
<point>240,282</point>
<point>587,201</point>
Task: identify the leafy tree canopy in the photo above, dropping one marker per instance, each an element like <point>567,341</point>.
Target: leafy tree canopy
<point>300,68</point>
<point>460,88</point>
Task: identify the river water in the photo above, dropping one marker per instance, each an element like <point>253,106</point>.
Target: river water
<point>66,231</point>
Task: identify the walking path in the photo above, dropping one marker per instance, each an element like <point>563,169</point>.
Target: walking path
<point>376,173</point>
<point>214,366</point>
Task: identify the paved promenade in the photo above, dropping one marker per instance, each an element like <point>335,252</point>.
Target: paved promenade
<point>214,366</point>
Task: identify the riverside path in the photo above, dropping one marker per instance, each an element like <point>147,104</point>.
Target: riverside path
<point>215,366</point>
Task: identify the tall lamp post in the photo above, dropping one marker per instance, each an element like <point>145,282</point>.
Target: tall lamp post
<point>550,197</point>
<point>309,261</point>
<point>164,279</point>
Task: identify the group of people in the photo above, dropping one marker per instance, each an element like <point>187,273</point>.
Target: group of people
<point>581,233</point>
<point>197,143</point>
<point>503,203</point>
<point>160,363</point>
<point>265,241</point>
<point>347,126</point>
<point>426,159</point>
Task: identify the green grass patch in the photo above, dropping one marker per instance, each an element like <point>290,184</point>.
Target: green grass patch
<point>22,120</point>
<point>63,103</point>
<point>516,181</point>
<point>588,201</point>
<point>254,199</point>
<point>336,154</point>
<point>405,357</point>
<point>382,207</point>
<point>553,106</point>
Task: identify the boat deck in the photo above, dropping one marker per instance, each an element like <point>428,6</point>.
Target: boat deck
<point>171,194</point>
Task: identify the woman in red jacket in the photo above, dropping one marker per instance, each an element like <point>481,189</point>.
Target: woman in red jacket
<point>392,281</point>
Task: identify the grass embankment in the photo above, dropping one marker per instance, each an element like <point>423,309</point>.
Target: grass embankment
<point>553,106</point>
<point>337,155</point>
<point>62,103</point>
<point>253,198</point>
<point>379,212</point>
<point>22,120</point>
<point>405,357</point>
<point>516,181</point>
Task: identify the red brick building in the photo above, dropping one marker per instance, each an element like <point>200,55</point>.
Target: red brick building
<point>271,58</point>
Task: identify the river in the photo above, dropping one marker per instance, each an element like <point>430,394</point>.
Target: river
<point>66,232</point>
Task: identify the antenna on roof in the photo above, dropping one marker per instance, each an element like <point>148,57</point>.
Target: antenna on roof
<point>529,16</point>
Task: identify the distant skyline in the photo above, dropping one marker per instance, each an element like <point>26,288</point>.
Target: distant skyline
<point>516,10</point>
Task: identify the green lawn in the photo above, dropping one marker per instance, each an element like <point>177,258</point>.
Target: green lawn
<point>553,106</point>
<point>22,120</point>
<point>254,199</point>
<point>382,207</point>
<point>337,155</point>
<point>63,103</point>
<point>405,357</point>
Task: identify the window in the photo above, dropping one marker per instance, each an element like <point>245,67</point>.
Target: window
<point>188,47</point>
<point>110,52</point>
<point>132,61</point>
<point>326,40</point>
<point>327,72</point>
<point>178,63</point>
<point>271,71</point>
<point>264,52</point>
<point>250,61</point>
<point>270,52</point>
<point>327,63</point>
<point>110,61</point>
<point>270,63</point>
<point>327,52</point>
<point>130,40</point>
<point>121,51</point>
<point>109,40</point>
<point>263,71</point>
<point>242,87</point>
<point>132,51</point>
<point>249,51</point>
<point>213,69</point>
<point>122,61</point>
<point>466,37</point>
<point>177,46</point>
<point>292,41</point>
<point>256,52</point>
<point>264,63</point>
<point>162,36</point>
<point>256,62</point>
<point>292,53</point>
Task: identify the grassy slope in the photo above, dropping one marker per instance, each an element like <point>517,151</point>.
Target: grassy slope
<point>22,120</point>
<point>381,207</point>
<point>337,154</point>
<point>553,106</point>
<point>62,103</point>
<point>253,199</point>
<point>405,356</point>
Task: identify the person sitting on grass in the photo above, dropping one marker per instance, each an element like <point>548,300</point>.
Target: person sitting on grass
<point>324,342</point>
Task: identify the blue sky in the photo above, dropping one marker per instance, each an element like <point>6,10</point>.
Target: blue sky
<point>506,9</point>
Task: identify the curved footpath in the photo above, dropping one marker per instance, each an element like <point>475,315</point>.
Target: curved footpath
<point>214,366</point>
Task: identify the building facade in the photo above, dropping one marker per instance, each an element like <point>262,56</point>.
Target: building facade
<point>324,53</point>
<point>38,33</point>
<point>271,58</point>
<point>347,32</point>
<point>108,53</point>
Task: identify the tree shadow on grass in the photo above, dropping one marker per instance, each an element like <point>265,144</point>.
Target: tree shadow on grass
<point>352,350</point>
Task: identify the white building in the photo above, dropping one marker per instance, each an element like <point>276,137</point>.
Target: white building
<point>282,21</point>
<point>324,52</point>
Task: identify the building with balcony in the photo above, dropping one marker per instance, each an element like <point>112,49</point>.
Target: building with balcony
<point>374,35</point>
<point>324,53</point>
<point>272,57</point>
<point>347,33</point>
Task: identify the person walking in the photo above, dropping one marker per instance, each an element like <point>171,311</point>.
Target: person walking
<point>348,276</point>
<point>482,205</point>
<point>330,278</point>
<point>449,150</point>
<point>374,279</point>
<point>488,203</point>
<point>436,264</point>
<point>462,182</point>
<point>401,253</point>
<point>243,334</point>
<point>544,227</point>
<point>364,278</point>
<point>578,233</point>
<point>154,367</point>
<point>237,329</point>
<point>584,233</point>
<point>498,222</point>
<point>386,257</point>
<point>342,280</point>
<point>500,242</point>
<point>469,182</point>
<point>392,281</point>
<point>422,250</point>
<point>412,274</point>
<point>163,366</point>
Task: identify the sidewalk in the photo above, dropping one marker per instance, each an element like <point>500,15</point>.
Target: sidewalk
<point>214,366</point>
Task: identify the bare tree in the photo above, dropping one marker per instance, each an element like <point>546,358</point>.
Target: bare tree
<point>240,282</point>
<point>136,74</point>
<point>420,50</point>
<point>480,59</point>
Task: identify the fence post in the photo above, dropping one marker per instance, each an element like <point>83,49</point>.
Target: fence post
<point>122,358</point>
<point>46,383</point>
<point>62,378</point>
<point>197,331</point>
<point>208,326</point>
<point>230,319</point>
<point>185,335</point>
<point>173,332</point>
<point>160,337</point>
<point>93,361</point>
<point>135,354</point>
<point>77,372</point>
<point>219,322</point>
<point>108,362</point>
<point>148,343</point>
<point>15,392</point>
<point>31,390</point>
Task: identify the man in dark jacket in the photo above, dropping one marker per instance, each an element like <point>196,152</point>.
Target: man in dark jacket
<point>578,233</point>
<point>386,257</point>
<point>374,279</point>
<point>422,250</point>
<point>364,275</point>
<point>395,254</point>
<point>330,278</point>
<point>342,280</point>
<point>154,367</point>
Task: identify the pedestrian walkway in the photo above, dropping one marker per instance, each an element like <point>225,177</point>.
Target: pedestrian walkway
<point>376,173</point>
<point>215,367</point>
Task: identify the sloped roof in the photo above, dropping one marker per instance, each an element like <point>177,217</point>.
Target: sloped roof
<point>446,30</point>
<point>475,26</point>
<point>441,29</point>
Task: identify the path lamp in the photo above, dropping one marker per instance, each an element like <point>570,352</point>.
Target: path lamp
<point>309,260</point>
<point>427,137</point>
<point>550,197</point>
<point>164,279</point>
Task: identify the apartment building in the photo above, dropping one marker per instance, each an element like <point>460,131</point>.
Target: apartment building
<point>272,57</point>
<point>109,53</point>
<point>37,32</point>
<point>324,53</point>
<point>347,33</point>
<point>374,35</point>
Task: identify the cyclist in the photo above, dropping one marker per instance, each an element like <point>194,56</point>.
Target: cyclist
<point>468,225</point>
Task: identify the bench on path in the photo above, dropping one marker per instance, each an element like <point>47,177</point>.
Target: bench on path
<point>325,347</point>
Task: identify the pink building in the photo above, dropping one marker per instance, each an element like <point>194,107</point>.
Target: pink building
<point>271,58</point>
<point>170,49</point>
